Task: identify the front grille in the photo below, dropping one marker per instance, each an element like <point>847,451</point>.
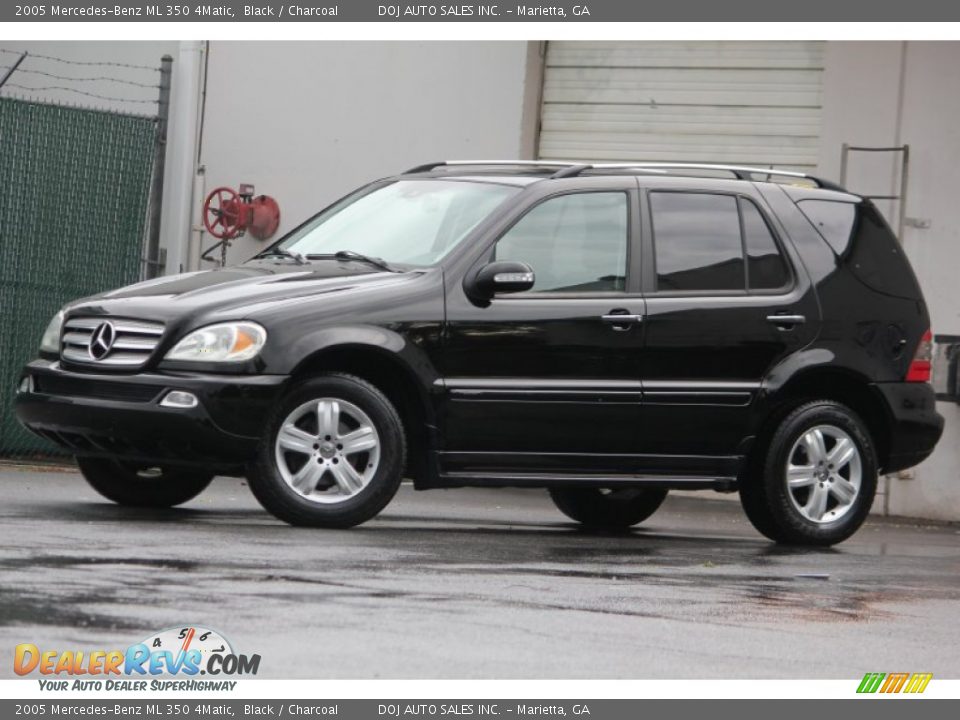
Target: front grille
<point>103,389</point>
<point>130,341</point>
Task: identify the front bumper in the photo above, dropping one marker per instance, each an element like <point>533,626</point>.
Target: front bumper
<point>915,426</point>
<point>121,416</point>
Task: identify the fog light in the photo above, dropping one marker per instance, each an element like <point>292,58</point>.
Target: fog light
<point>26,385</point>
<point>179,399</point>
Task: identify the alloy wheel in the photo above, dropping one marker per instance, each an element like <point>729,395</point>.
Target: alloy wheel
<point>823,474</point>
<point>327,450</point>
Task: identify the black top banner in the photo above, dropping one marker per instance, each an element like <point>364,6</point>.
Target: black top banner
<point>496,11</point>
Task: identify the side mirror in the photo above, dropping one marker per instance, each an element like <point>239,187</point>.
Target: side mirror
<point>502,277</point>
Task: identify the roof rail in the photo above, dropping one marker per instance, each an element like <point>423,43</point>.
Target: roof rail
<point>509,163</point>
<point>740,172</point>
<point>571,168</point>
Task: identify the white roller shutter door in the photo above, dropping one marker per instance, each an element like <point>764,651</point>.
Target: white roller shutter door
<point>749,103</point>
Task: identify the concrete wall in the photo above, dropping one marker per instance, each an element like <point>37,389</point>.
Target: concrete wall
<point>891,94</point>
<point>308,122</point>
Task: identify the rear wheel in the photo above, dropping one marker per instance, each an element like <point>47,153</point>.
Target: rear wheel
<point>608,509</point>
<point>816,481</point>
<point>136,485</point>
<point>332,454</point>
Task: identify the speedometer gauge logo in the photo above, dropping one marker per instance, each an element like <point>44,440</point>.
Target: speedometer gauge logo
<point>183,640</point>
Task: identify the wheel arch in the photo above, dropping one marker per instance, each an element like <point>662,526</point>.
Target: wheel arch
<point>842,385</point>
<point>404,380</point>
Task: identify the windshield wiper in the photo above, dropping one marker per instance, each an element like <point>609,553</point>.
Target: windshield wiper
<point>280,252</point>
<point>358,257</point>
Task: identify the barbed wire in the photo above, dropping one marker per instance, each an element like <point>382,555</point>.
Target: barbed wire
<point>102,78</point>
<point>78,92</point>
<point>81,62</point>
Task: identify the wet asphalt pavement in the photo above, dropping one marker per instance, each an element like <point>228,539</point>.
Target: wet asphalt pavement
<point>475,583</point>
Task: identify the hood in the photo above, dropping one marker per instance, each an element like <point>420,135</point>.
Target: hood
<point>236,292</point>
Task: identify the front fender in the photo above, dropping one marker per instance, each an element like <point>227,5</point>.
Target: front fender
<point>405,350</point>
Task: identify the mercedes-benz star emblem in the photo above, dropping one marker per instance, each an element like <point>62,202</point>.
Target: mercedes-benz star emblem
<point>102,340</point>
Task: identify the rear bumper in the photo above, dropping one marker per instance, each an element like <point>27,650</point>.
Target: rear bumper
<point>916,425</point>
<point>121,416</point>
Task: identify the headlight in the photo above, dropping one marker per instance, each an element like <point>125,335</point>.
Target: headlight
<point>50,342</point>
<point>229,342</point>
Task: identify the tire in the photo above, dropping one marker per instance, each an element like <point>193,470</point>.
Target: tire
<point>608,510</point>
<point>827,451</point>
<point>753,497</point>
<point>126,484</point>
<point>306,476</point>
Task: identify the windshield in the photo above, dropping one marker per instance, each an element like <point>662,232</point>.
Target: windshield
<point>414,222</point>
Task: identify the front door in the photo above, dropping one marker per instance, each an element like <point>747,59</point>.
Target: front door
<point>549,379</point>
<point>727,300</point>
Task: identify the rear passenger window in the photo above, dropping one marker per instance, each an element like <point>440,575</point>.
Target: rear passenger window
<point>707,242</point>
<point>697,242</point>
<point>766,269</point>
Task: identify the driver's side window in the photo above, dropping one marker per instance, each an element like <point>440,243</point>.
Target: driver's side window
<point>574,243</point>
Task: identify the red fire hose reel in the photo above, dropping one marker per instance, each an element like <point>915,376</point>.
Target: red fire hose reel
<point>228,214</point>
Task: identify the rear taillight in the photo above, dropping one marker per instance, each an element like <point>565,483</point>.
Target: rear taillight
<point>920,366</point>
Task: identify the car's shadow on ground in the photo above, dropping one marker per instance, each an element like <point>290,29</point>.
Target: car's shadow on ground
<point>563,540</point>
<point>94,511</point>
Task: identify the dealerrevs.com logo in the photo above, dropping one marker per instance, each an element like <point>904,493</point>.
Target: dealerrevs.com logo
<point>185,652</point>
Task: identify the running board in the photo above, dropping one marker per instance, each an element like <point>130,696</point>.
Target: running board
<point>544,480</point>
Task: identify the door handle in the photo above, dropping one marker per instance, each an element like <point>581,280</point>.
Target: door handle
<point>621,320</point>
<point>786,322</point>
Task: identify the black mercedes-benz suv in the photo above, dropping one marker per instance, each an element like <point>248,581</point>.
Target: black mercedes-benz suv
<point>606,332</point>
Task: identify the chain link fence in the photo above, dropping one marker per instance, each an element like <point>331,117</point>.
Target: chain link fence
<point>74,197</point>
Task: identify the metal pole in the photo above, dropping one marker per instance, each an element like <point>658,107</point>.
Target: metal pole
<point>904,175</point>
<point>12,69</point>
<point>152,260</point>
<point>844,152</point>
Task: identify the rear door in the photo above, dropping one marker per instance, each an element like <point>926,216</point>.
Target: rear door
<point>726,300</point>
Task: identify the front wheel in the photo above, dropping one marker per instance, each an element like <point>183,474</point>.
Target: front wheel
<point>332,454</point>
<point>139,486</point>
<point>608,509</point>
<point>817,479</point>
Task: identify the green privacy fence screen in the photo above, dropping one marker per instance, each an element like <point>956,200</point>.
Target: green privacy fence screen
<point>74,195</point>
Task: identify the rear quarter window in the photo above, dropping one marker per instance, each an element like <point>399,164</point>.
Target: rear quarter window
<point>864,242</point>
<point>833,220</point>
